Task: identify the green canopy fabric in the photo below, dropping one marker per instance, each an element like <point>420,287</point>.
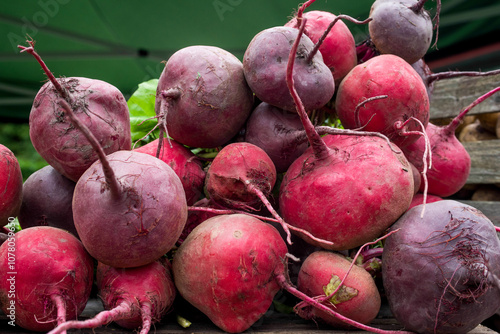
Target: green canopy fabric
<point>125,42</point>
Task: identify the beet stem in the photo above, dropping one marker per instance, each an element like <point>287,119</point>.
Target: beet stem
<point>106,167</point>
<point>318,145</point>
<point>454,74</point>
<point>228,212</point>
<point>166,97</point>
<point>31,50</point>
<point>417,7</point>
<point>121,311</point>
<point>282,281</point>
<point>301,10</point>
<point>427,156</point>
<point>451,128</point>
<point>330,26</point>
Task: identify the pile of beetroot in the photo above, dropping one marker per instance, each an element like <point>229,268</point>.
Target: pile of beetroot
<point>342,219</point>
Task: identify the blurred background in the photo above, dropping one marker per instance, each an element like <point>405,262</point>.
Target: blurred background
<point>125,42</point>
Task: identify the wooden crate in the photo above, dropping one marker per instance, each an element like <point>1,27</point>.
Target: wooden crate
<point>450,96</point>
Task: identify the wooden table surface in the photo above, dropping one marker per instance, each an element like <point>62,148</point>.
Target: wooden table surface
<point>272,322</point>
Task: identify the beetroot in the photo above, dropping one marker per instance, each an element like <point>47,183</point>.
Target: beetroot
<point>47,200</point>
<point>401,27</point>
<point>358,298</point>
<point>401,115</point>
<point>450,160</point>
<point>265,66</point>
<point>338,47</point>
<point>185,164</point>
<point>230,267</point>
<point>121,221</point>
<point>240,176</point>
<point>441,271</point>
<point>134,298</point>
<point>368,186</point>
<point>202,98</point>
<point>11,185</point>
<point>367,180</point>
<point>275,131</point>
<point>46,276</point>
<point>98,104</point>
<point>226,269</point>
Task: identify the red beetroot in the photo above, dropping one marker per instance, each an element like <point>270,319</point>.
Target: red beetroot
<point>360,205</point>
<point>51,274</point>
<point>418,199</point>
<point>231,266</point>
<point>401,115</point>
<point>134,298</point>
<point>358,297</point>
<point>11,185</point>
<point>450,160</point>
<point>240,176</point>
<point>184,163</point>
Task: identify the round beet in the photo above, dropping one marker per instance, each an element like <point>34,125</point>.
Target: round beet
<point>358,297</point>
<point>338,48</point>
<point>441,271</point>
<point>46,276</point>
<point>276,132</point>
<point>240,176</point>
<point>202,97</point>
<point>134,298</point>
<point>401,27</point>
<point>47,200</point>
<point>402,113</point>
<point>97,104</point>
<point>137,223</point>
<point>265,66</point>
<point>11,185</point>
<point>185,164</point>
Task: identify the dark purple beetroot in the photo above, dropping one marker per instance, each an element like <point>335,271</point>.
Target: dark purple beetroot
<point>202,97</point>
<point>338,47</point>
<point>401,27</point>
<point>47,200</point>
<point>98,104</point>
<point>275,131</point>
<point>265,65</point>
<point>441,272</point>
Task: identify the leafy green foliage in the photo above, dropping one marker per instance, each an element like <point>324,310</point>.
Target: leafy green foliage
<point>143,119</point>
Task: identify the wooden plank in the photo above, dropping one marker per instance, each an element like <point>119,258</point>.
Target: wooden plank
<point>485,161</point>
<point>276,323</point>
<point>450,96</point>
